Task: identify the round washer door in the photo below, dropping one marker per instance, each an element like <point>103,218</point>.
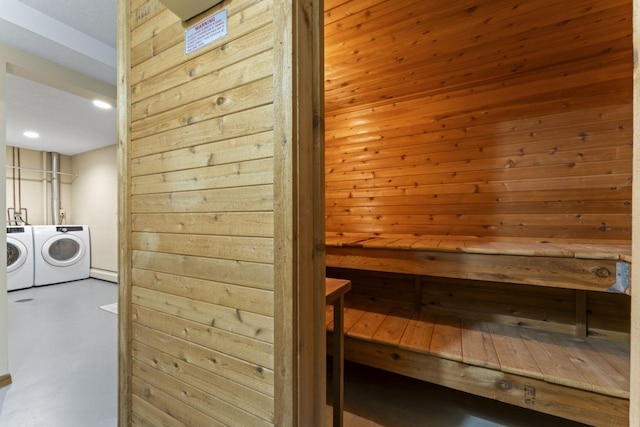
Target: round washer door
<point>63,250</point>
<point>16,254</point>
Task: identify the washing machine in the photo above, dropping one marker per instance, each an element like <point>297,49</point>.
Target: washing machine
<point>62,253</point>
<point>20,257</point>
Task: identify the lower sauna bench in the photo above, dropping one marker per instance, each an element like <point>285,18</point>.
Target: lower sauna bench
<point>535,323</point>
<point>582,379</point>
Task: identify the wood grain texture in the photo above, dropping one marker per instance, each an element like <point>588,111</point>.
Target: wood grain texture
<point>634,416</point>
<point>485,116</point>
<point>578,405</point>
<point>571,273</point>
<point>197,219</point>
<point>477,345</point>
<point>126,407</point>
<point>588,364</point>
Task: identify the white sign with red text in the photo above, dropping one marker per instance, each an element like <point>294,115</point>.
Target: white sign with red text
<point>205,32</point>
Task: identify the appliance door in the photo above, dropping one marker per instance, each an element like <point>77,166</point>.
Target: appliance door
<point>16,254</point>
<point>63,250</point>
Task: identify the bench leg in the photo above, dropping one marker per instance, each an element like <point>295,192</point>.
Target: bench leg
<point>338,361</point>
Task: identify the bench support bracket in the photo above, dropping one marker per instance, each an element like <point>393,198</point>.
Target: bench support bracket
<point>623,278</point>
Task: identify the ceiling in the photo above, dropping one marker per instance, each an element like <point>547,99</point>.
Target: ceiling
<point>79,35</point>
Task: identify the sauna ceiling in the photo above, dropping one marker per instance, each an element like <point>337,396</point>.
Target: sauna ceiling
<point>486,117</point>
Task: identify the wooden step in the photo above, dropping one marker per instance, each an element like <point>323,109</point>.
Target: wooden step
<point>588,364</point>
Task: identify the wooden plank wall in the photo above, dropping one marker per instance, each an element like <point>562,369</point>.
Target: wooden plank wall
<point>201,215</point>
<point>484,117</point>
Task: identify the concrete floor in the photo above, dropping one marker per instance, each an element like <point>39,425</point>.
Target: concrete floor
<point>62,357</point>
<point>63,362</point>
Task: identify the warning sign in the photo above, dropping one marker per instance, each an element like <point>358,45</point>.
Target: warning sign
<point>205,32</point>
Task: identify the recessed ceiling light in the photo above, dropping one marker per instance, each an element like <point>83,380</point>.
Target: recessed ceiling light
<point>101,104</point>
<point>31,134</point>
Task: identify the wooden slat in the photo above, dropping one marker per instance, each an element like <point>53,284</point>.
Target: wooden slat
<point>241,297</point>
<point>234,345</point>
<point>242,372</point>
<point>241,396</point>
<point>513,353</point>
<point>253,224</point>
<point>230,126</point>
<point>419,333</point>
<point>369,322</point>
<point>477,345</point>
<point>220,412</point>
<point>256,198</point>
<point>446,341</point>
<point>194,81</point>
<point>568,273</point>
<point>578,125</point>
<point>252,249</point>
<point>553,360</point>
<point>594,367</point>
<point>352,315</point>
<point>150,28</point>
<point>615,353</point>
<point>227,319</point>
<point>250,147</point>
<point>144,414</point>
<point>144,12</point>
<point>239,98</point>
<point>184,414</point>
<point>393,327</point>
<point>256,275</point>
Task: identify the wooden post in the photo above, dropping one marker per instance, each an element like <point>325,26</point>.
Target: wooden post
<point>124,216</point>
<point>634,399</point>
<point>582,328</point>
<point>300,359</point>
<point>418,293</point>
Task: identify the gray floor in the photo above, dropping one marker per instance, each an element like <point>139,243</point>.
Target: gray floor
<point>63,362</point>
<point>62,357</point>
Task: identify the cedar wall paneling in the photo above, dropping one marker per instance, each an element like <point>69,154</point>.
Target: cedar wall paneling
<point>489,118</point>
<point>201,183</point>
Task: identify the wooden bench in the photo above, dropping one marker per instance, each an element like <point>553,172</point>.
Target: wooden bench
<point>562,372</point>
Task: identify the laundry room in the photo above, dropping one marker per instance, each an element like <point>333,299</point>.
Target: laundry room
<point>61,212</point>
<point>66,176</point>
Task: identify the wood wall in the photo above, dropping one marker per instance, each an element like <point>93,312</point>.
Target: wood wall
<point>197,339</point>
<point>489,118</point>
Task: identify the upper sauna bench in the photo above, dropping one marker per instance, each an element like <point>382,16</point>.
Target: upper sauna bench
<point>573,264</point>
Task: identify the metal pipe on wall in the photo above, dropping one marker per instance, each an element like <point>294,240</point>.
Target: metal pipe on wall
<point>55,188</point>
<point>45,189</point>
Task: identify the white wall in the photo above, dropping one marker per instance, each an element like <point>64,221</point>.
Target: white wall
<point>33,190</point>
<point>94,202</point>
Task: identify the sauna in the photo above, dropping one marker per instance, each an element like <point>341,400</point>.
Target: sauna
<point>478,179</point>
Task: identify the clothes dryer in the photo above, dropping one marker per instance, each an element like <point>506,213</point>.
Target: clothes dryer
<point>20,257</point>
<point>63,253</point>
